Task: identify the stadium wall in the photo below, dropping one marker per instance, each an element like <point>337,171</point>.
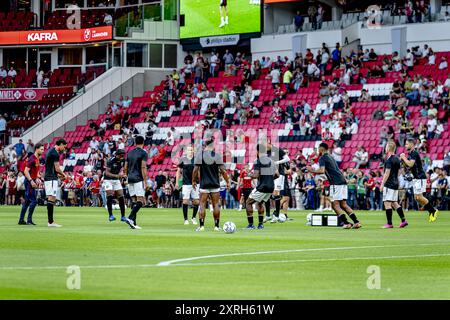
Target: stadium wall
<point>434,34</point>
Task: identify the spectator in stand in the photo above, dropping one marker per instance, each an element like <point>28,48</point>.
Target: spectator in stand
<point>19,148</point>
<point>228,59</point>
<point>3,72</point>
<point>2,130</point>
<point>108,19</point>
<point>214,60</point>
<point>298,22</point>
<point>275,77</point>
<point>361,157</point>
<point>443,64</point>
<point>12,72</point>
<point>365,96</point>
<point>94,144</point>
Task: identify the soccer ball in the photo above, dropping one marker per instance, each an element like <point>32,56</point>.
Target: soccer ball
<point>282,218</point>
<point>229,227</point>
<point>116,207</point>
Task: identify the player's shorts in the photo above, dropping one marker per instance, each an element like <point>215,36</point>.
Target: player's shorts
<point>213,190</point>
<point>326,192</point>
<point>136,189</point>
<point>338,192</point>
<point>279,183</point>
<point>223,193</point>
<point>260,196</point>
<point>419,186</point>
<point>51,188</point>
<point>245,193</point>
<point>390,194</point>
<point>223,3</point>
<point>189,192</point>
<point>112,185</point>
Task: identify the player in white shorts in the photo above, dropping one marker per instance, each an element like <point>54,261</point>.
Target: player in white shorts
<point>264,170</point>
<point>113,185</point>
<point>188,192</point>
<point>136,170</point>
<point>390,186</point>
<point>338,187</point>
<point>53,171</point>
<point>414,163</point>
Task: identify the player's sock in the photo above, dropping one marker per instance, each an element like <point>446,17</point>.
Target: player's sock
<point>185,211</point>
<point>109,203</point>
<point>134,211</point>
<point>342,218</point>
<point>277,206</point>
<point>226,20</point>
<point>389,216</point>
<point>216,222</point>
<point>353,217</point>
<point>250,220</point>
<point>267,204</point>
<point>50,206</point>
<point>222,21</point>
<point>401,214</point>
<point>24,210</point>
<point>430,208</point>
<point>260,219</point>
<point>122,206</point>
<point>194,211</point>
<point>202,222</point>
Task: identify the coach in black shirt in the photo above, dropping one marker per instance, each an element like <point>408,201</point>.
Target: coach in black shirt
<point>338,187</point>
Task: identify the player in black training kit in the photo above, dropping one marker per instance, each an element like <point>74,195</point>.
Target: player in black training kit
<point>185,170</point>
<point>264,170</point>
<point>281,159</point>
<point>112,184</point>
<point>136,171</point>
<point>419,179</point>
<point>390,186</point>
<point>338,187</point>
<point>52,173</point>
<point>209,165</point>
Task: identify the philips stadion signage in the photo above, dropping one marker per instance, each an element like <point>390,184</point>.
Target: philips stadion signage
<point>56,36</point>
<point>230,40</point>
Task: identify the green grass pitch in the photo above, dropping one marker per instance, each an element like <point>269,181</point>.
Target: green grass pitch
<point>283,261</point>
<point>202,18</point>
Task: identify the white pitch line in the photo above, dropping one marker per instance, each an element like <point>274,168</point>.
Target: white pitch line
<point>308,260</point>
<point>227,262</point>
<point>171,262</point>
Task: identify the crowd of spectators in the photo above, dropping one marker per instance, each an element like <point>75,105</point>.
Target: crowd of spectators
<point>333,119</point>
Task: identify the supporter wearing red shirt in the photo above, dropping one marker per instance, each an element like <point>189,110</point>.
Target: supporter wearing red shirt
<point>194,105</point>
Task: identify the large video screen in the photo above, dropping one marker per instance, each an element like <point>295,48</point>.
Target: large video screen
<point>204,18</point>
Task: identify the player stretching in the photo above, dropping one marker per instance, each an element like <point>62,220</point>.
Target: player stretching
<point>209,165</point>
<point>31,174</point>
<point>414,162</point>
<point>281,159</point>
<point>264,170</point>
<point>185,169</point>
<point>338,187</point>
<point>223,13</point>
<point>52,172</point>
<point>112,184</point>
<point>136,171</point>
<point>390,186</point>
